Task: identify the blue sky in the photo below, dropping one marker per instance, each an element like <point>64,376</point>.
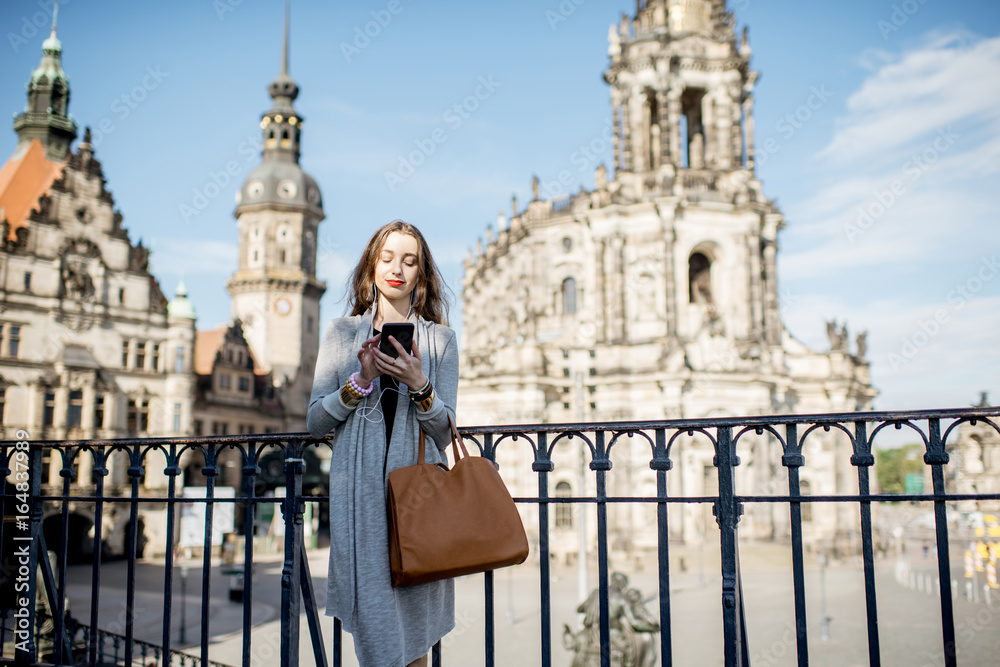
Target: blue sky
<point>908,130</point>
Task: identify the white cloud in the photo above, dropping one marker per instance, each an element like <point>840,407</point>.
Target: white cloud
<point>193,257</point>
<point>941,83</point>
<point>928,345</point>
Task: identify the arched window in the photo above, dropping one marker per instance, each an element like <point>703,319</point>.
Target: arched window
<point>564,511</point>
<point>692,130</point>
<point>569,296</point>
<point>699,278</point>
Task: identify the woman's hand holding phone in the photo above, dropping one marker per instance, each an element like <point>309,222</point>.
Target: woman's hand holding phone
<point>406,368</point>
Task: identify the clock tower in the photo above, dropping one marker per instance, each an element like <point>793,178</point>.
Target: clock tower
<point>274,291</point>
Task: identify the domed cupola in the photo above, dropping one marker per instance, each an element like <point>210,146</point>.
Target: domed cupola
<point>46,116</point>
<point>279,180</point>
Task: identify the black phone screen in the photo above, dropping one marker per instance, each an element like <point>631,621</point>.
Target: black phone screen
<point>402,332</point>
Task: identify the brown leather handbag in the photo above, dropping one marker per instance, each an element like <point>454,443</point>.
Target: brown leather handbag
<point>445,523</point>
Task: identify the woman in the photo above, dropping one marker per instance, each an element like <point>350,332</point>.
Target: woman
<point>376,406</point>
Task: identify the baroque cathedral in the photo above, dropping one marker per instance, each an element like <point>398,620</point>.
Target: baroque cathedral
<point>655,296</point>
<point>89,345</point>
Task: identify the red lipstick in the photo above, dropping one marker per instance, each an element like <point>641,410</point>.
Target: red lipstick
<point>395,283</point>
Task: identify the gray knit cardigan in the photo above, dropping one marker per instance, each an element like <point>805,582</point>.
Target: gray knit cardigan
<point>391,626</point>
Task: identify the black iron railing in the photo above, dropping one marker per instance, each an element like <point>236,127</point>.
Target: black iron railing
<point>30,498</point>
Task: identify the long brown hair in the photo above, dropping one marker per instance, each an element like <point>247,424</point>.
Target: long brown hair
<point>429,301</point>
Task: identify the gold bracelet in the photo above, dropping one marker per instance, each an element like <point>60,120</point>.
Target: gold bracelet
<point>348,397</point>
<point>426,403</point>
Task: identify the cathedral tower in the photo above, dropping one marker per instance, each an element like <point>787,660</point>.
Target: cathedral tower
<point>655,295</point>
<point>682,109</point>
<point>274,291</point>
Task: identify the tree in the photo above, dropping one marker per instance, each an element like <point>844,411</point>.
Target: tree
<point>893,465</point>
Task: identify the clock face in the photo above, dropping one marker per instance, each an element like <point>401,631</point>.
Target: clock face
<point>282,306</point>
<point>239,197</point>
<point>255,189</point>
<point>287,189</point>
<point>314,196</point>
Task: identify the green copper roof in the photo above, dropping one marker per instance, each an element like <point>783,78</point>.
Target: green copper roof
<point>180,306</point>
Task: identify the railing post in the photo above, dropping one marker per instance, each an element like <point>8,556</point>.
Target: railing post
<point>937,457</point>
<point>488,579</point>
<point>100,471</point>
<point>864,460</point>
<point>210,471</point>
<point>727,514</point>
<point>601,465</point>
<point>135,472</point>
<point>543,466</point>
<point>291,570</point>
<point>250,472</point>
<point>172,470</point>
<point>68,474</point>
<point>661,463</point>
<point>792,459</point>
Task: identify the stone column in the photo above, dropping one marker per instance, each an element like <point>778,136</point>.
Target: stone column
<point>748,112</point>
<point>675,126</point>
<point>756,290</point>
<point>616,119</point>
<point>724,155</point>
<point>669,236</point>
<point>709,137</point>
<point>87,418</point>
<point>772,317</point>
<point>627,163</point>
<point>664,121</point>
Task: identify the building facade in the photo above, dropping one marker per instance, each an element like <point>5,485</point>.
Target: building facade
<point>976,453</point>
<point>655,295</point>
<point>89,345</point>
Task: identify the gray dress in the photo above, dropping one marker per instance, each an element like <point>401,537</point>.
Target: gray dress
<point>391,626</point>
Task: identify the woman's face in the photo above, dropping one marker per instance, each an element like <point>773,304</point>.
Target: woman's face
<point>396,272</point>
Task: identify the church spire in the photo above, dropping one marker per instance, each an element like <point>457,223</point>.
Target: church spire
<point>693,123</point>
<point>46,116</point>
<point>284,48</point>
<point>282,126</point>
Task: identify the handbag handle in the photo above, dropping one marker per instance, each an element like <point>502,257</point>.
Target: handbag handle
<point>455,438</point>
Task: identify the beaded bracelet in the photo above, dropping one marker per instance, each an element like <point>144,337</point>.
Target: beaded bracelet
<point>353,382</point>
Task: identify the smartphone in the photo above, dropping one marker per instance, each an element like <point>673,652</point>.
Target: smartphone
<point>402,332</point>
